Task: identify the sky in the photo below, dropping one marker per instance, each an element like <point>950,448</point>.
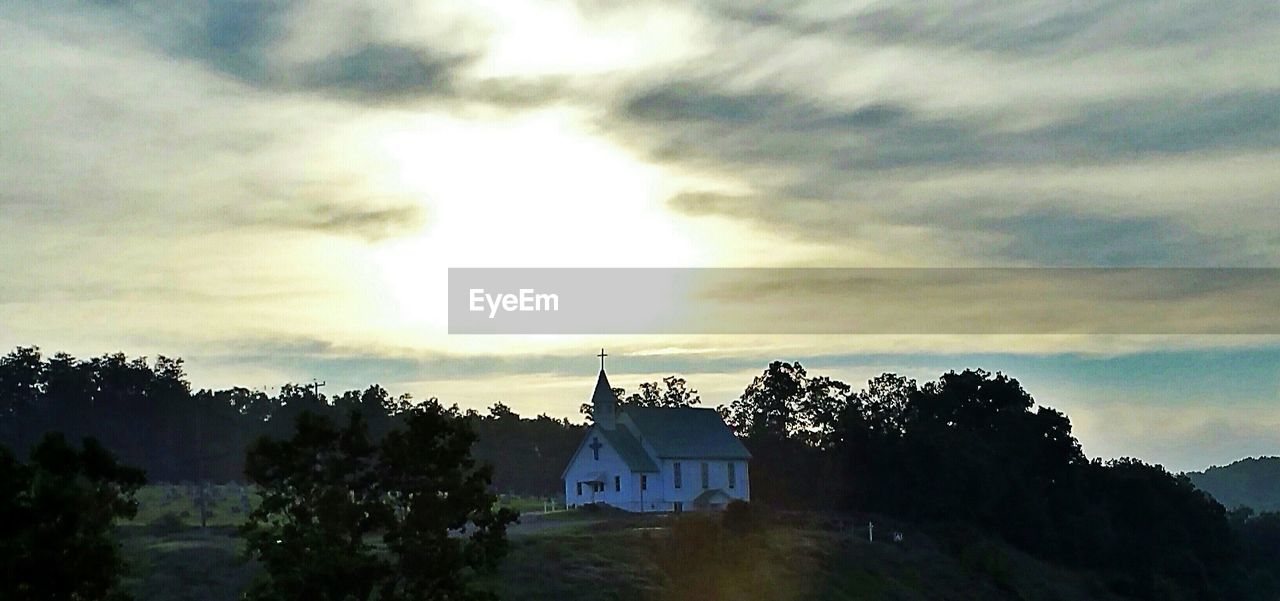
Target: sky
<point>274,191</point>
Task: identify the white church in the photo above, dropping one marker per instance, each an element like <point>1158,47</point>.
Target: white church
<point>655,459</point>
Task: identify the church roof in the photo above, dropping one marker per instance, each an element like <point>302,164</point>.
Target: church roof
<point>629,449</point>
<point>686,432</point>
<point>603,391</point>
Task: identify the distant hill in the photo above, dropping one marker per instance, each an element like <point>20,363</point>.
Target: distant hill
<point>1252,482</point>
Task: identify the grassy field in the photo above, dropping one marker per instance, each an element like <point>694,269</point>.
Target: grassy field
<point>174,504</point>
<point>227,504</point>
<point>670,558</point>
<point>172,558</point>
<point>582,555</point>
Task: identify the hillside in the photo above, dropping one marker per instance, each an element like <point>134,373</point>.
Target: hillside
<point>579,556</point>
<point>666,558</point>
<point>1252,482</point>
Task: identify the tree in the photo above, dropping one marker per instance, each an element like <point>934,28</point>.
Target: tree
<point>775,417</point>
<point>527,455</point>
<point>884,404</point>
<point>672,391</point>
<point>328,490</point>
<point>770,405</point>
<point>433,488</point>
<point>22,381</point>
<point>56,515</point>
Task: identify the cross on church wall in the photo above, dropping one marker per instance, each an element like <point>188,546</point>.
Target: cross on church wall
<point>595,447</point>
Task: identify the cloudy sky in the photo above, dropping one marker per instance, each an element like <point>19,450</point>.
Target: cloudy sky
<point>274,191</point>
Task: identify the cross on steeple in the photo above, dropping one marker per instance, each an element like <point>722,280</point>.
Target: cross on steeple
<point>602,355</point>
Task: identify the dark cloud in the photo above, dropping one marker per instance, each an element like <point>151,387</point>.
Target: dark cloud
<point>239,38</point>
<point>1059,238</point>
<point>382,71</point>
<point>698,119</point>
<point>234,36</point>
<point>701,121</point>
<point>525,92</point>
<point>1040,235</point>
<point>368,222</point>
<point>694,101</point>
<point>1162,125</point>
<point>1019,27</point>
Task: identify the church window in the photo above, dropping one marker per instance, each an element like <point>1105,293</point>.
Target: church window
<point>579,489</point>
<point>675,473</point>
<point>706,475</point>
<point>617,484</point>
<point>644,482</point>
<point>733,475</point>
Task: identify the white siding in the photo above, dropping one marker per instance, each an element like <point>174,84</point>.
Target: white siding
<point>584,465</point>
<point>661,493</point>
<point>691,479</point>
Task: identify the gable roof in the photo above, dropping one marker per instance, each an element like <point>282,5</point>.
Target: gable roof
<point>603,392</point>
<point>624,442</point>
<point>709,496</point>
<point>628,448</point>
<point>686,432</point>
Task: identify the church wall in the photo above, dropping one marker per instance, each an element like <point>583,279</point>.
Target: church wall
<point>661,493</point>
<point>610,463</point>
<point>691,480</point>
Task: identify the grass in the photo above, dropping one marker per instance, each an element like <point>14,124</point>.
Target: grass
<point>582,555</point>
<point>175,504</point>
<point>670,558</point>
<point>526,504</point>
<point>191,564</point>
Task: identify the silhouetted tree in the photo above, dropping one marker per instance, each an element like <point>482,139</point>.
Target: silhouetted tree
<point>56,515</point>
<point>527,454</point>
<point>773,417</point>
<point>327,489</point>
<point>672,391</point>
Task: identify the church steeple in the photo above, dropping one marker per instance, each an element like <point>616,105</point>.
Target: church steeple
<point>604,405</point>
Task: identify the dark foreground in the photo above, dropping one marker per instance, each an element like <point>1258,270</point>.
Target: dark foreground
<point>585,556</point>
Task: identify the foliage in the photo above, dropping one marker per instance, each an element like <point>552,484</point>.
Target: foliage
<point>56,516</point>
<point>148,414</point>
<point>527,455</point>
<point>974,448</point>
<point>673,391</point>
<point>970,448</point>
<point>327,490</point>
<point>742,517</point>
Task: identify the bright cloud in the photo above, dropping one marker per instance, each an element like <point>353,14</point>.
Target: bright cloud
<point>278,188</point>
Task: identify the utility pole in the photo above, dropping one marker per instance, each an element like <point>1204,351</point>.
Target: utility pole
<point>315,385</point>
<point>202,501</point>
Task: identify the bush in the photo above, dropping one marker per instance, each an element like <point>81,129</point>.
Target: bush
<point>741,517</point>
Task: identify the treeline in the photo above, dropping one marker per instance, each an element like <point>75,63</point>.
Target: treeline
<point>973,449</point>
<point>969,450</point>
<point>147,414</point>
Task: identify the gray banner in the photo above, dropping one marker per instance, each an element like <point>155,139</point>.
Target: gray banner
<point>865,301</point>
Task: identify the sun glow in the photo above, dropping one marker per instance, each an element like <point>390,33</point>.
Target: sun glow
<point>521,191</point>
